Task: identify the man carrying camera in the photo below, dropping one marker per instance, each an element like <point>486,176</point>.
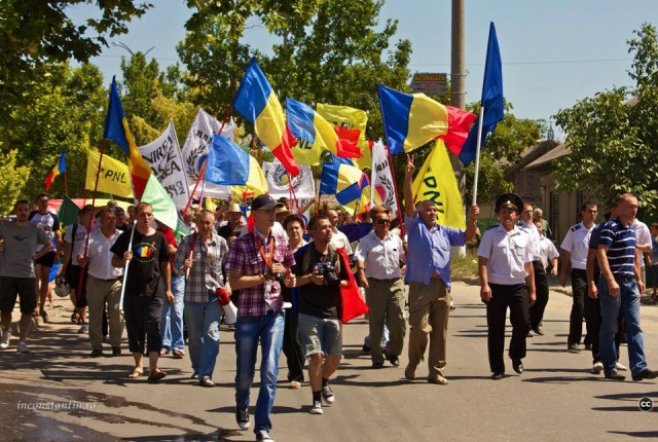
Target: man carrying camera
<point>319,278</point>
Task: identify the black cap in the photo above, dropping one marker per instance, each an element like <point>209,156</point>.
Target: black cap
<point>264,202</point>
<point>511,200</point>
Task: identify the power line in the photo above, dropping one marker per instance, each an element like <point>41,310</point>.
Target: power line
<point>521,63</point>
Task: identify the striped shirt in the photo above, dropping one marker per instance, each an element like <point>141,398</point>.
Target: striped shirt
<point>246,258</point>
<point>206,271</point>
<point>620,243</point>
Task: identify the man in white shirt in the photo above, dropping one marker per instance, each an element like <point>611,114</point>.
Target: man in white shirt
<point>574,255</point>
<point>379,255</point>
<point>103,283</point>
<point>507,280</point>
<point>547,254</point>
<point>338,239</point>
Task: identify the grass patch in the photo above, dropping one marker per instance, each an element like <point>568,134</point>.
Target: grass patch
<point>464,266</point>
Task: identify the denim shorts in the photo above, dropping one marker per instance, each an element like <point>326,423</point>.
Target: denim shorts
<point>320,335</point>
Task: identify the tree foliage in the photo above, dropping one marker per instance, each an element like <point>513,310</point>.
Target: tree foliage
<point>612,139</point>
<point>36,34</point>
<point>327,51</point>
<point>12,180</point>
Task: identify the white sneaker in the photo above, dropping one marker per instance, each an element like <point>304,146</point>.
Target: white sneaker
<point>597,368</point>
<point>316,408</point>
<point>620,367</point>
<point>4,339</point>
<point>22,347</point>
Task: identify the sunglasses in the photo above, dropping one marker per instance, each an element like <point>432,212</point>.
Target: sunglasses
<point>382,221</point>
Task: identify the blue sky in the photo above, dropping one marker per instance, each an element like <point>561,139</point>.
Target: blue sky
<point>554,52</point>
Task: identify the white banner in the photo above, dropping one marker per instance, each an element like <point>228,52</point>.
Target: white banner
<point>164,157</point>
<point>195,149</point>
<point>382,186</point>
<point>277,181</point>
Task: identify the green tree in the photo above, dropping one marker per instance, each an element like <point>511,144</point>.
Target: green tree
<point>36,34</point>
<point>12,180</point>
<point>612,139</point>
<point>65,110</point>
<point>327,51</point>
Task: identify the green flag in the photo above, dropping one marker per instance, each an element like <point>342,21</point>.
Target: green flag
<point>68,212</point>
<point>164,209</point>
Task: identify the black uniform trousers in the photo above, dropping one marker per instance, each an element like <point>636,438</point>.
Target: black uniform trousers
<point>292,348</point>
<point>579,290</point>
<point>516,298</point>
<point>541,289</point>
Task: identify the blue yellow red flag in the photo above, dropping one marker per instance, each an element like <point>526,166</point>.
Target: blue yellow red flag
<point>345,117</point>
<point>58,169</point>
<point>229,164</point>
<point>117,130</point>
<point>341,178</point>
<point>258,104</point>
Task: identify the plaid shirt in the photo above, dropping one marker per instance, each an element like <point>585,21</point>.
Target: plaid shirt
<point>246,258</point>
<point>206,271</point>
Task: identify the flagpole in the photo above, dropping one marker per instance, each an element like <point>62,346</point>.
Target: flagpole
<point>395,187</point>
<point>477,157</point>
<point>202,171</point>
<point>126,264</point>
<point>103,144</point>
<point>66,183</point>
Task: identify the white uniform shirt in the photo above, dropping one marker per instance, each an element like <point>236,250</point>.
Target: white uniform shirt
<point>338,240</point>
<point>507,253</point>
<point>642,235</point>
<point>547,250</point>
<point>100,258</point>
<point>576,242</point>
<point>533,235</point>
<point>381,257</point>
<point>77,246</point>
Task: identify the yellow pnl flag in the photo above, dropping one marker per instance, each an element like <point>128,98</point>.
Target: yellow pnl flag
<point>436,181</point>
<point>114,176</point>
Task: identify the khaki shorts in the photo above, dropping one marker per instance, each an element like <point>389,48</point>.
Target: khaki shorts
<point>320,335</point>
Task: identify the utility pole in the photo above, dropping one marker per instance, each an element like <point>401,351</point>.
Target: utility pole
<point>457,73</point>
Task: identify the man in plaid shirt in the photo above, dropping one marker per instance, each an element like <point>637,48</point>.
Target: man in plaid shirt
<point>258,263</point>
<point>200,256</point>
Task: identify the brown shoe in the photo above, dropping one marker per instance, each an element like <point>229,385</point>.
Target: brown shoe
<point>156,376</point>
<point>178,354</point>
<point>438,379</point>
<point>410,373</point>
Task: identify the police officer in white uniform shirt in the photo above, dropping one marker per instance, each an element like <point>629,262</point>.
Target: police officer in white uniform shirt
<point>575,246</point>
<point>507,280</point>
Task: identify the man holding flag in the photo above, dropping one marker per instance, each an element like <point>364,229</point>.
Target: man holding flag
<point>428,276</point>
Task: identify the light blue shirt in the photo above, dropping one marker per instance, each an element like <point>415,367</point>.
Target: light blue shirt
<point>429,250</point>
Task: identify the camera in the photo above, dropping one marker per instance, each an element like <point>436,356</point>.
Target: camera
<point>327,270</point>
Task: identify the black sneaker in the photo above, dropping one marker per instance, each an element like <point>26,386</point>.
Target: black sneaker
<point>316,408</point>
<point>517,365</point>
<point>645,374</point>
<point>394,360</point>
<point>497,376</point>
<point>242,417</point>
<point>263,436</point>
<point>538,331</point>
<point>377,365</point>
<point>614,374</point>
<point>96,353</point>
<point>327,394</point>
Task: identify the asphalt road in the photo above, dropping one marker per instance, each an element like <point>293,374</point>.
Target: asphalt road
<point>58,393</point>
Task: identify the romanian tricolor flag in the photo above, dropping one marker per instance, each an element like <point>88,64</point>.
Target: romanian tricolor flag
<point>341,178</point>
<point>116,129</point>
<point>348,121</point>
<point>412,120</point>
<point>317,134</point>
<point>58,169</point>
<point>258,104</point>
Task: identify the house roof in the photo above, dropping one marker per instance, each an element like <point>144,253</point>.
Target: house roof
<point>557,152</point>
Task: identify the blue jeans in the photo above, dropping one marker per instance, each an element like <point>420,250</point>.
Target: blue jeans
<point>171,321</point>
<point>202,320</point>
<point>629,302</point>
<point>248,330</point>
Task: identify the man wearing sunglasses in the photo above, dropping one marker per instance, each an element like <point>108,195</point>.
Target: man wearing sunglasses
<point>379,255</point>
<point>428,275</point>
